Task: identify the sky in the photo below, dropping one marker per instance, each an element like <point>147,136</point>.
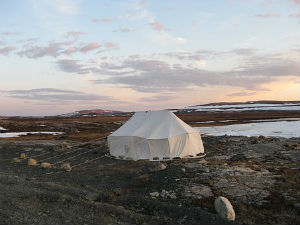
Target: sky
<point>59,56</point>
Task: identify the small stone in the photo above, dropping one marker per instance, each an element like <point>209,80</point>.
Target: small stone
<point>197,191</point>
<point>22,156</point>
<point>117,191</point>
<point>156,166</point>
<point>46,165</point>
<point>92,196</point>
<point>66,166</point>
<point>32,162</point>
<point>238,157</point>
<point>154,194</point>
<point>203,162</point>
<point>16,160</point>
<point>183,170</point>
<point>168,194</point>
<point>206,170</point>
<point>224,208</point>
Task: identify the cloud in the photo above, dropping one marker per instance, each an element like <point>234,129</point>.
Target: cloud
<point>111,45</point>
<point>53,94</point>
<point>103,20</point>
<point>95,20</point>
<point>268,15</point>
<point>72,66</point>
<point>163,38</point>
<point>6,50</point>
<point>32,39</point>
<point>53,49</point>
<point>89,47</point>
<point>2,42</point>
<point>294,15</point>
<point>145,75</point>
<point>10,33</point>
<point>124,30</point>
<point>296,1</point>
<point>157,26</point>
<point>60,6</point>
<point>157,98</point>
<point>70,50</point>
<point>240,94</point>
<point>75,34</point>
<point>243,51</point>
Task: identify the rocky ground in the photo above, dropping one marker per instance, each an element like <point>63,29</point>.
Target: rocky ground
<point>259,175</point>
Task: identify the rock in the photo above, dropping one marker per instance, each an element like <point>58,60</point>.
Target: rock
<point>198,191</point>
<point>156,166</point>
<point>66,166</point>
<point>154,194</point>
<point>46,165</point>
<point>168,194</point>
<point>238,157</point>
<point>22,156</point>
<point>224,208</point>
<point>117,191</point>
<point>222,183</point>
<point>193,165</point>
<point>92,196</point>
<point>16,160</point>
<point>32,162</point>
<point>183,170</point>
<point>203,161</point>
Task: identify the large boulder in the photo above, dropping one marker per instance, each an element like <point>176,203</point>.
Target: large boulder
<point>224,208</point>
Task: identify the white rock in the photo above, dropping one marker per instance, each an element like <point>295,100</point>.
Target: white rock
<point>224,208</point>
<point>154,194</point>
<point>66,166</point>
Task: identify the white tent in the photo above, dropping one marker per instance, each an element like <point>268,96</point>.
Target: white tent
<point>155,135</point>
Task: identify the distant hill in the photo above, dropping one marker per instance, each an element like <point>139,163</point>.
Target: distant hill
<point>93,112</point>
<point>249,102</point>
<point>263,105</point>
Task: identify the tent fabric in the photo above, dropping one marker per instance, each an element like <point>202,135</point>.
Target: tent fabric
<point>155,135</point>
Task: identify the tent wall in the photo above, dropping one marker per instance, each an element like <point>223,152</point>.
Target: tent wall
<point>141,148</point>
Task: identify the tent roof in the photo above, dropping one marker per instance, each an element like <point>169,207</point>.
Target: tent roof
<point>154,125</point>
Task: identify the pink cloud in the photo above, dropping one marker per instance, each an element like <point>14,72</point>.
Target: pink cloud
<point>7,50</point>
<point>294,15</point>
<point>158,26</point>
<point>95,20</point>
<point>70,50</point>
<point>103,20</point>
<point>53,49</point>
<point>111,45</point>
<point>268,15</point>
<point>10,33</point>
<point>75,33</point>
<point>89,47</point>
<point>107,20</point>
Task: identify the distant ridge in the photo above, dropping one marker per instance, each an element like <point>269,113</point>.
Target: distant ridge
<point>248,102</point>
<point>92,112</point>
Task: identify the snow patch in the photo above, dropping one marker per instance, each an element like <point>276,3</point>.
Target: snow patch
<point>17,134</point>
<point>286,129</point>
